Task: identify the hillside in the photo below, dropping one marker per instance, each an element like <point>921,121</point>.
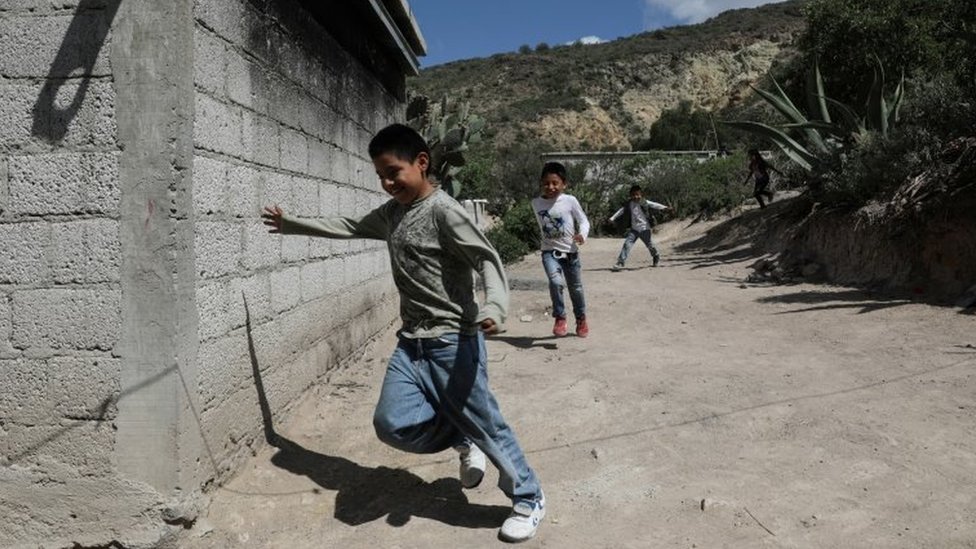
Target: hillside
<point>606,96</point>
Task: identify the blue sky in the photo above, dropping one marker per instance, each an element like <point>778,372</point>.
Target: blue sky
<point>462,29</point>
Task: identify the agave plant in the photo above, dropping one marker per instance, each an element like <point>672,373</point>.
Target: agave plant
<point>448,129</point>
<point>829,133</point>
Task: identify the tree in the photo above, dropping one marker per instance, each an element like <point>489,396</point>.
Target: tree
<point>906,35</point>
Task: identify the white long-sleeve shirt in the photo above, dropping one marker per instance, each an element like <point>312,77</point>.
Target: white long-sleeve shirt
<point>637,220</point>
<point>559,220</point>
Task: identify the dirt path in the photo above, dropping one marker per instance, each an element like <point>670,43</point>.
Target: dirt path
<point>701,412</point>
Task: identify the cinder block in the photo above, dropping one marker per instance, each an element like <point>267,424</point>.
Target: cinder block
<point>294,151</point>
<point>277,190</point>
<point>213,309</point>
<point>283,105</point>
<point>233,21</point>
<point>329,200</point>
<point>243,188</point>
<point>311,121</point>
<point>17,118</point>
<point>312,281</point>
<point>6,350</point>
<point>240,74</point>
<point>262,139</point>
<point>217,126</point>
<point>209,185</point>
<point>86,446</point>
<point>93,123</point>
<point>320,159</point>
<point>217,248</point>
<point>286,289</point>
<point>268,343</point>
<point>24,251</point>
<point>261,248</point>
<point>305,196</point>
<point>209,62</point>
<point>257,289</point>
<point>66,183</point>
<point>86,251</point>
<point>4,187</point>
<point>45,391</point>
<point>294,248</point>
<point>43,6</point>
<point>55,46</point>
<point>224,365</point>
<point>64,319</point>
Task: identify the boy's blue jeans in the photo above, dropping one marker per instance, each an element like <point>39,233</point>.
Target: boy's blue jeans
<point>435,396</point>
<point>632,237</point>
<point>564,272</point>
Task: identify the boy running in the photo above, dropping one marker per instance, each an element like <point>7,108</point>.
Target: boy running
<point>435,393</point>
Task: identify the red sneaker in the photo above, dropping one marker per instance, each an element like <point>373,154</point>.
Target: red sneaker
<point>582,330</point>
<point>560,328</point>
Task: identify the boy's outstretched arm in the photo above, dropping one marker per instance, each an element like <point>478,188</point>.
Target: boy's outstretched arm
<point>372,225</point>
<point>616,214</point>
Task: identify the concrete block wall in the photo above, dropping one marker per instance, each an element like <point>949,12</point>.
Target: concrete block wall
<point>60,261</point>
<point>138,142</point>
<point>283,116</point>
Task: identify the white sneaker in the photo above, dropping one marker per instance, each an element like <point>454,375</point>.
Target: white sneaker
<point>473,464</point>
<point>522,524</point>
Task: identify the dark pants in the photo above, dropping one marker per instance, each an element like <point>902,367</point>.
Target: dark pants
<point>762,189</point>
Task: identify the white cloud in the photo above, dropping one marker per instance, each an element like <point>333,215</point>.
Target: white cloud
<point>587,41</point>
<point>591,40</point>
<point>695,11</point>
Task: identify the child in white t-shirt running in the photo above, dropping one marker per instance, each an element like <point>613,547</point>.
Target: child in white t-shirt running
<point>564,228</point>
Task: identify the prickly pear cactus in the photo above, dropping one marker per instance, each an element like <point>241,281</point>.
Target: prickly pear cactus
<point>448,128</point>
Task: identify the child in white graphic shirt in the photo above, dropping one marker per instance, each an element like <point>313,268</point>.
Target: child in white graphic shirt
<point>564,228</point>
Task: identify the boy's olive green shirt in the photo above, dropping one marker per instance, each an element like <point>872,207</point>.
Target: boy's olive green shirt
<point>435,249</point>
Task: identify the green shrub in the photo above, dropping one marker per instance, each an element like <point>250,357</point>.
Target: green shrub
<point>510,248</point>
<point>520,222</point>
<point>683,128</point>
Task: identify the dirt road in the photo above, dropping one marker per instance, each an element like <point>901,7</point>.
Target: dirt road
<point>702,411</point>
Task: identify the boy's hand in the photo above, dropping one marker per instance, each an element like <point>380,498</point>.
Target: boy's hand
<point>272,218</point>
<point>489,327</point>
<point>578,238</point>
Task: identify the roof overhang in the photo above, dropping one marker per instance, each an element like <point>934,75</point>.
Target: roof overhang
<point>404,36</point>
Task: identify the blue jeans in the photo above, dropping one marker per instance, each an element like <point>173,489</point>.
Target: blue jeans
<point>564,272</point>
<point>435,396</point>
<point>632,237</point>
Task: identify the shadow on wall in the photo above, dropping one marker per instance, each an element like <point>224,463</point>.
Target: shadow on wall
<point>365,494</point>
<point>75,61</point>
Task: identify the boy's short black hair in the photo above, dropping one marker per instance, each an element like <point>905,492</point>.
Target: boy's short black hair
<point>403,141</point>
<point>554,167</point>
<point>635,188</point>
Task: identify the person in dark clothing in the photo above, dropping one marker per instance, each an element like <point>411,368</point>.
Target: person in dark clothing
<point>760,169</point>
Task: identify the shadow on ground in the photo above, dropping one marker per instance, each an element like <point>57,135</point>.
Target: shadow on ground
<point>826,300</point>
<point>528,342</point>
<point>365,494</point>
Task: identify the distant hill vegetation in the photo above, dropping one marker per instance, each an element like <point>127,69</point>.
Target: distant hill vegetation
<point>607,96</point>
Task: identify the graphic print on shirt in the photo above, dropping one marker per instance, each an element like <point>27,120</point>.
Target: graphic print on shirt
<point>552,226</point>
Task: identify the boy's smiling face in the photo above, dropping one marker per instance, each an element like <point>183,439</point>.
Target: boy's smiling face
<point>551,186</point>
<point>406,181</point>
